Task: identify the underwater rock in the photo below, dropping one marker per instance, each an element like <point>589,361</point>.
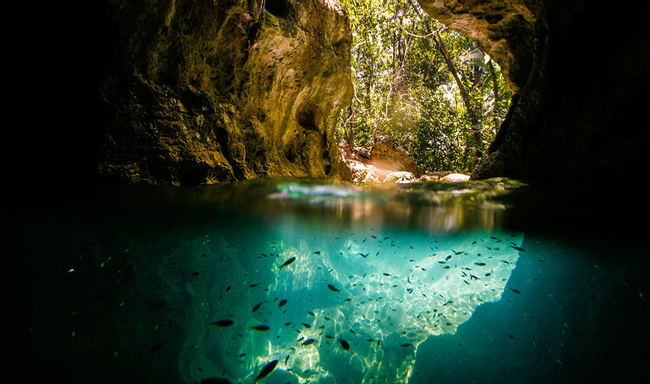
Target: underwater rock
<point>223,91</point>
<point>361,316</point>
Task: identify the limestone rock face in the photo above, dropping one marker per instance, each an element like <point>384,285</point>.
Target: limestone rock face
<point>502,28</point>
<point>579,73</point>
<point>225,90</point>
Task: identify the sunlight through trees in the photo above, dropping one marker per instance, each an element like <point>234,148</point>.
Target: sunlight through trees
<point>431,88</point>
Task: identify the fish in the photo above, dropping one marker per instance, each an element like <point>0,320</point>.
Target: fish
<point>308,342</point>
<point>254,285</point>
<point>520,249</point>
<point>282,303</point>
<point>333,288</point>
<point>363,255</point>
<point>215,380</point>
<point>157,347</point>
<point>479,263</point>
<point>289,261</point>
<point>344,344</point>
<point>306,325</point>
<point>223,323</point>
<point>406,345</point>
<point>386,274</point>
<point>257,306</point>
<point>261,327</point>
<point>228,288</point>
<point>515,290</point>
<point>266,370</point>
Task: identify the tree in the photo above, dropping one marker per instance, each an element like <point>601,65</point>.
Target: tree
<point>427,86</point>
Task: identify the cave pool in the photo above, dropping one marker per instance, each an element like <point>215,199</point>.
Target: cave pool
<point>489,281</point>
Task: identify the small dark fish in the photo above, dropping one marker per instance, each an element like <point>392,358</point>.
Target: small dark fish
<point>406,345</point>
<point>520,249</point>
<point>222,323</point>
<point>195,273</point>
<point>289,261</point>
<point>261,327</point>
<point>268,368</point>
<point>515,290</point>
<point>306,325</point>
<point>308,342</point>
<point>344,344</point>
<point>282,303</point>
<point>386,274</point>
<point>215,380</point>
<point>257,306</point>
<point>254,285</point>
<point>228,288</point>
<point>333,288</point>
<point>364,255</point>
<point>317,253</point>
<point>311,313</point>
<point>479,264</point>
<point>155,348</point>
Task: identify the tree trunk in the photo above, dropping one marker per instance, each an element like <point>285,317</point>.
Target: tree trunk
<point>351,126</point>
<point>495,86</point>
<point>476,126</point>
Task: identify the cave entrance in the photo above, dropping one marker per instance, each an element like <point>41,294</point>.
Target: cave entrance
<point>430,88</point>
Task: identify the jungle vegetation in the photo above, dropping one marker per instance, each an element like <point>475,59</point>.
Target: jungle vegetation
<point>430,88</point>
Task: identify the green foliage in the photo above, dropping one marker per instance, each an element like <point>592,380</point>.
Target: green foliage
<point>405,88</point>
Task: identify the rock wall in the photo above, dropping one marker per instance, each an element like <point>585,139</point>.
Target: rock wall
<point>225,90</point>
<point>579,73</point>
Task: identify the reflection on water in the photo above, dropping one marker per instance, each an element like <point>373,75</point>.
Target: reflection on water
<point>328,283</point>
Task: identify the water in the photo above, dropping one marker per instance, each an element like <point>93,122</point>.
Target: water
<point>479,282</point>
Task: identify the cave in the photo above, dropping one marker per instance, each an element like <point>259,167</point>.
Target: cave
<point>159,231</point>
<point>578,115</point>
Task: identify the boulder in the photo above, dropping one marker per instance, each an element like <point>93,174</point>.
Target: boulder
<point>387,154</point>
<point>400,177</point>
<point>454,178</point>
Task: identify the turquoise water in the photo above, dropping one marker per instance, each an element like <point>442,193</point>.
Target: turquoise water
<point>479,282</point>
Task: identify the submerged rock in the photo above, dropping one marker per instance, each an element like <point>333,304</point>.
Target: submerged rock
<point>225,90</point>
